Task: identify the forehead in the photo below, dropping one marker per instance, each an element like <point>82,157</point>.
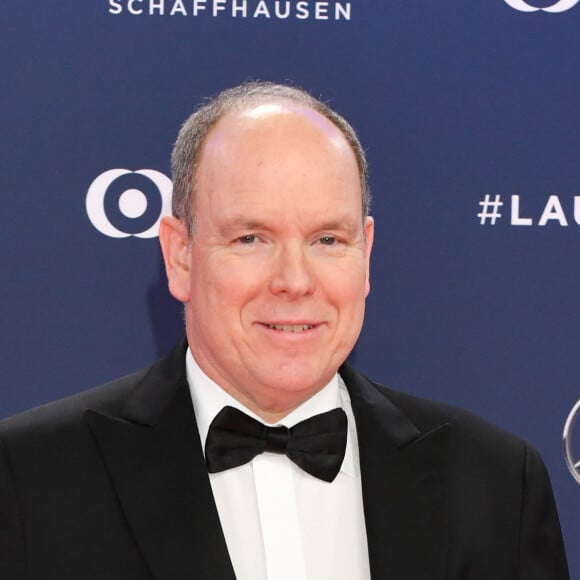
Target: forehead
<point>278,157</point>
<point>291,124</point>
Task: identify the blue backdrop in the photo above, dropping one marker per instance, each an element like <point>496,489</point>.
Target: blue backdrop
<point>454,101</point>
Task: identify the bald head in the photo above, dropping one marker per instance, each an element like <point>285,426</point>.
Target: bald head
<point>251,99</point>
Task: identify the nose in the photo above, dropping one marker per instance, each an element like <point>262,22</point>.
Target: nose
<point>292,273</point>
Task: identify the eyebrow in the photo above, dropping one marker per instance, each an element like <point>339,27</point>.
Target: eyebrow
<point>348,224</point>
<point>240,223</point>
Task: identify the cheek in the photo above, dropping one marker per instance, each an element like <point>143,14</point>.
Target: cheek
<point>347,286</point>
<point>227,288</point>
<point>350,309</point>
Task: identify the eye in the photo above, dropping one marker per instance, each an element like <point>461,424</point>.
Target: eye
<point>247,239</point>
<point>327,240</point>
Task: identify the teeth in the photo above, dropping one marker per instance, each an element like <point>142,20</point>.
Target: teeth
<point>291,327</point>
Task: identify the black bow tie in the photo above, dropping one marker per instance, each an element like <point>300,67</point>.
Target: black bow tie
<point>316,445</point>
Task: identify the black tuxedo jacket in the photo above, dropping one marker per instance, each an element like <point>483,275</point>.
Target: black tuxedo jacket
<point>111,484</point>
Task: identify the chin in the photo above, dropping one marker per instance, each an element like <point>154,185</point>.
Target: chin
<point>299,382</point>
<point>281,402</point>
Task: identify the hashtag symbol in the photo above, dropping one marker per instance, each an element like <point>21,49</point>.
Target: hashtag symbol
<point>490,209</point>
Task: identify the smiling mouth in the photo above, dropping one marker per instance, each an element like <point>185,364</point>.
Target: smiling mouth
<point>291,327</point>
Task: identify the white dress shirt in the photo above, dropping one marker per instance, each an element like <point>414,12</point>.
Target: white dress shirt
<point>279,522</point>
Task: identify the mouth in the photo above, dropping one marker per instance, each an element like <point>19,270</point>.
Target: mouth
<point>290,327</point>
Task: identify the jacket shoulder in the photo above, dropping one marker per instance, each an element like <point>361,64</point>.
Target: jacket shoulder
<point>107,398</point>
<point>468,428</point>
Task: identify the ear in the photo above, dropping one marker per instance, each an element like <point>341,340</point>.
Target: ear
<point>369,238</point>
<point>174,240</point>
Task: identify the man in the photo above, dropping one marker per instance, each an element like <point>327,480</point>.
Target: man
<point>325,474</point>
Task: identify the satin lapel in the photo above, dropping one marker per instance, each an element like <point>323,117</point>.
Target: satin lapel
<point>153,455</point>
<point>404,487</point>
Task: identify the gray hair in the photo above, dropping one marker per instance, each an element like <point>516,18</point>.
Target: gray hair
<point>187,149</point>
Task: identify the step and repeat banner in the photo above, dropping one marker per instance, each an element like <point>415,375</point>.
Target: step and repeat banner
<point>469,111</point>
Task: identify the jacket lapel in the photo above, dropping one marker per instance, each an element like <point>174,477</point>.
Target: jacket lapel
<point>153,454</point>
<point>404,486</point>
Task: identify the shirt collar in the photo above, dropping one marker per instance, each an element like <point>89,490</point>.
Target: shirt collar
<point>209,399</point>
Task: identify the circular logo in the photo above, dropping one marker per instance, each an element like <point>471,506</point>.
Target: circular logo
<point>573,463</point>
<point>560,6</point>
<point>144,197</point>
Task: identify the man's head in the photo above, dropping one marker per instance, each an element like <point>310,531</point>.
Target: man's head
<point>275,273</point>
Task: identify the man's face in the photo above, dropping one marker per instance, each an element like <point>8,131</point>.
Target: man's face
<point>276,274</point>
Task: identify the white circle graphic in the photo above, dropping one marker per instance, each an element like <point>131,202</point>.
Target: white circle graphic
<point>573,464</point>
<point>521,6</point>
<point>165,188</point>
<point>132,202</point>
<point>560,6</point>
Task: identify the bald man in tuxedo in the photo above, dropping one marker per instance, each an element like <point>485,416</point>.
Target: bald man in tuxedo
<point>253,450</point>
